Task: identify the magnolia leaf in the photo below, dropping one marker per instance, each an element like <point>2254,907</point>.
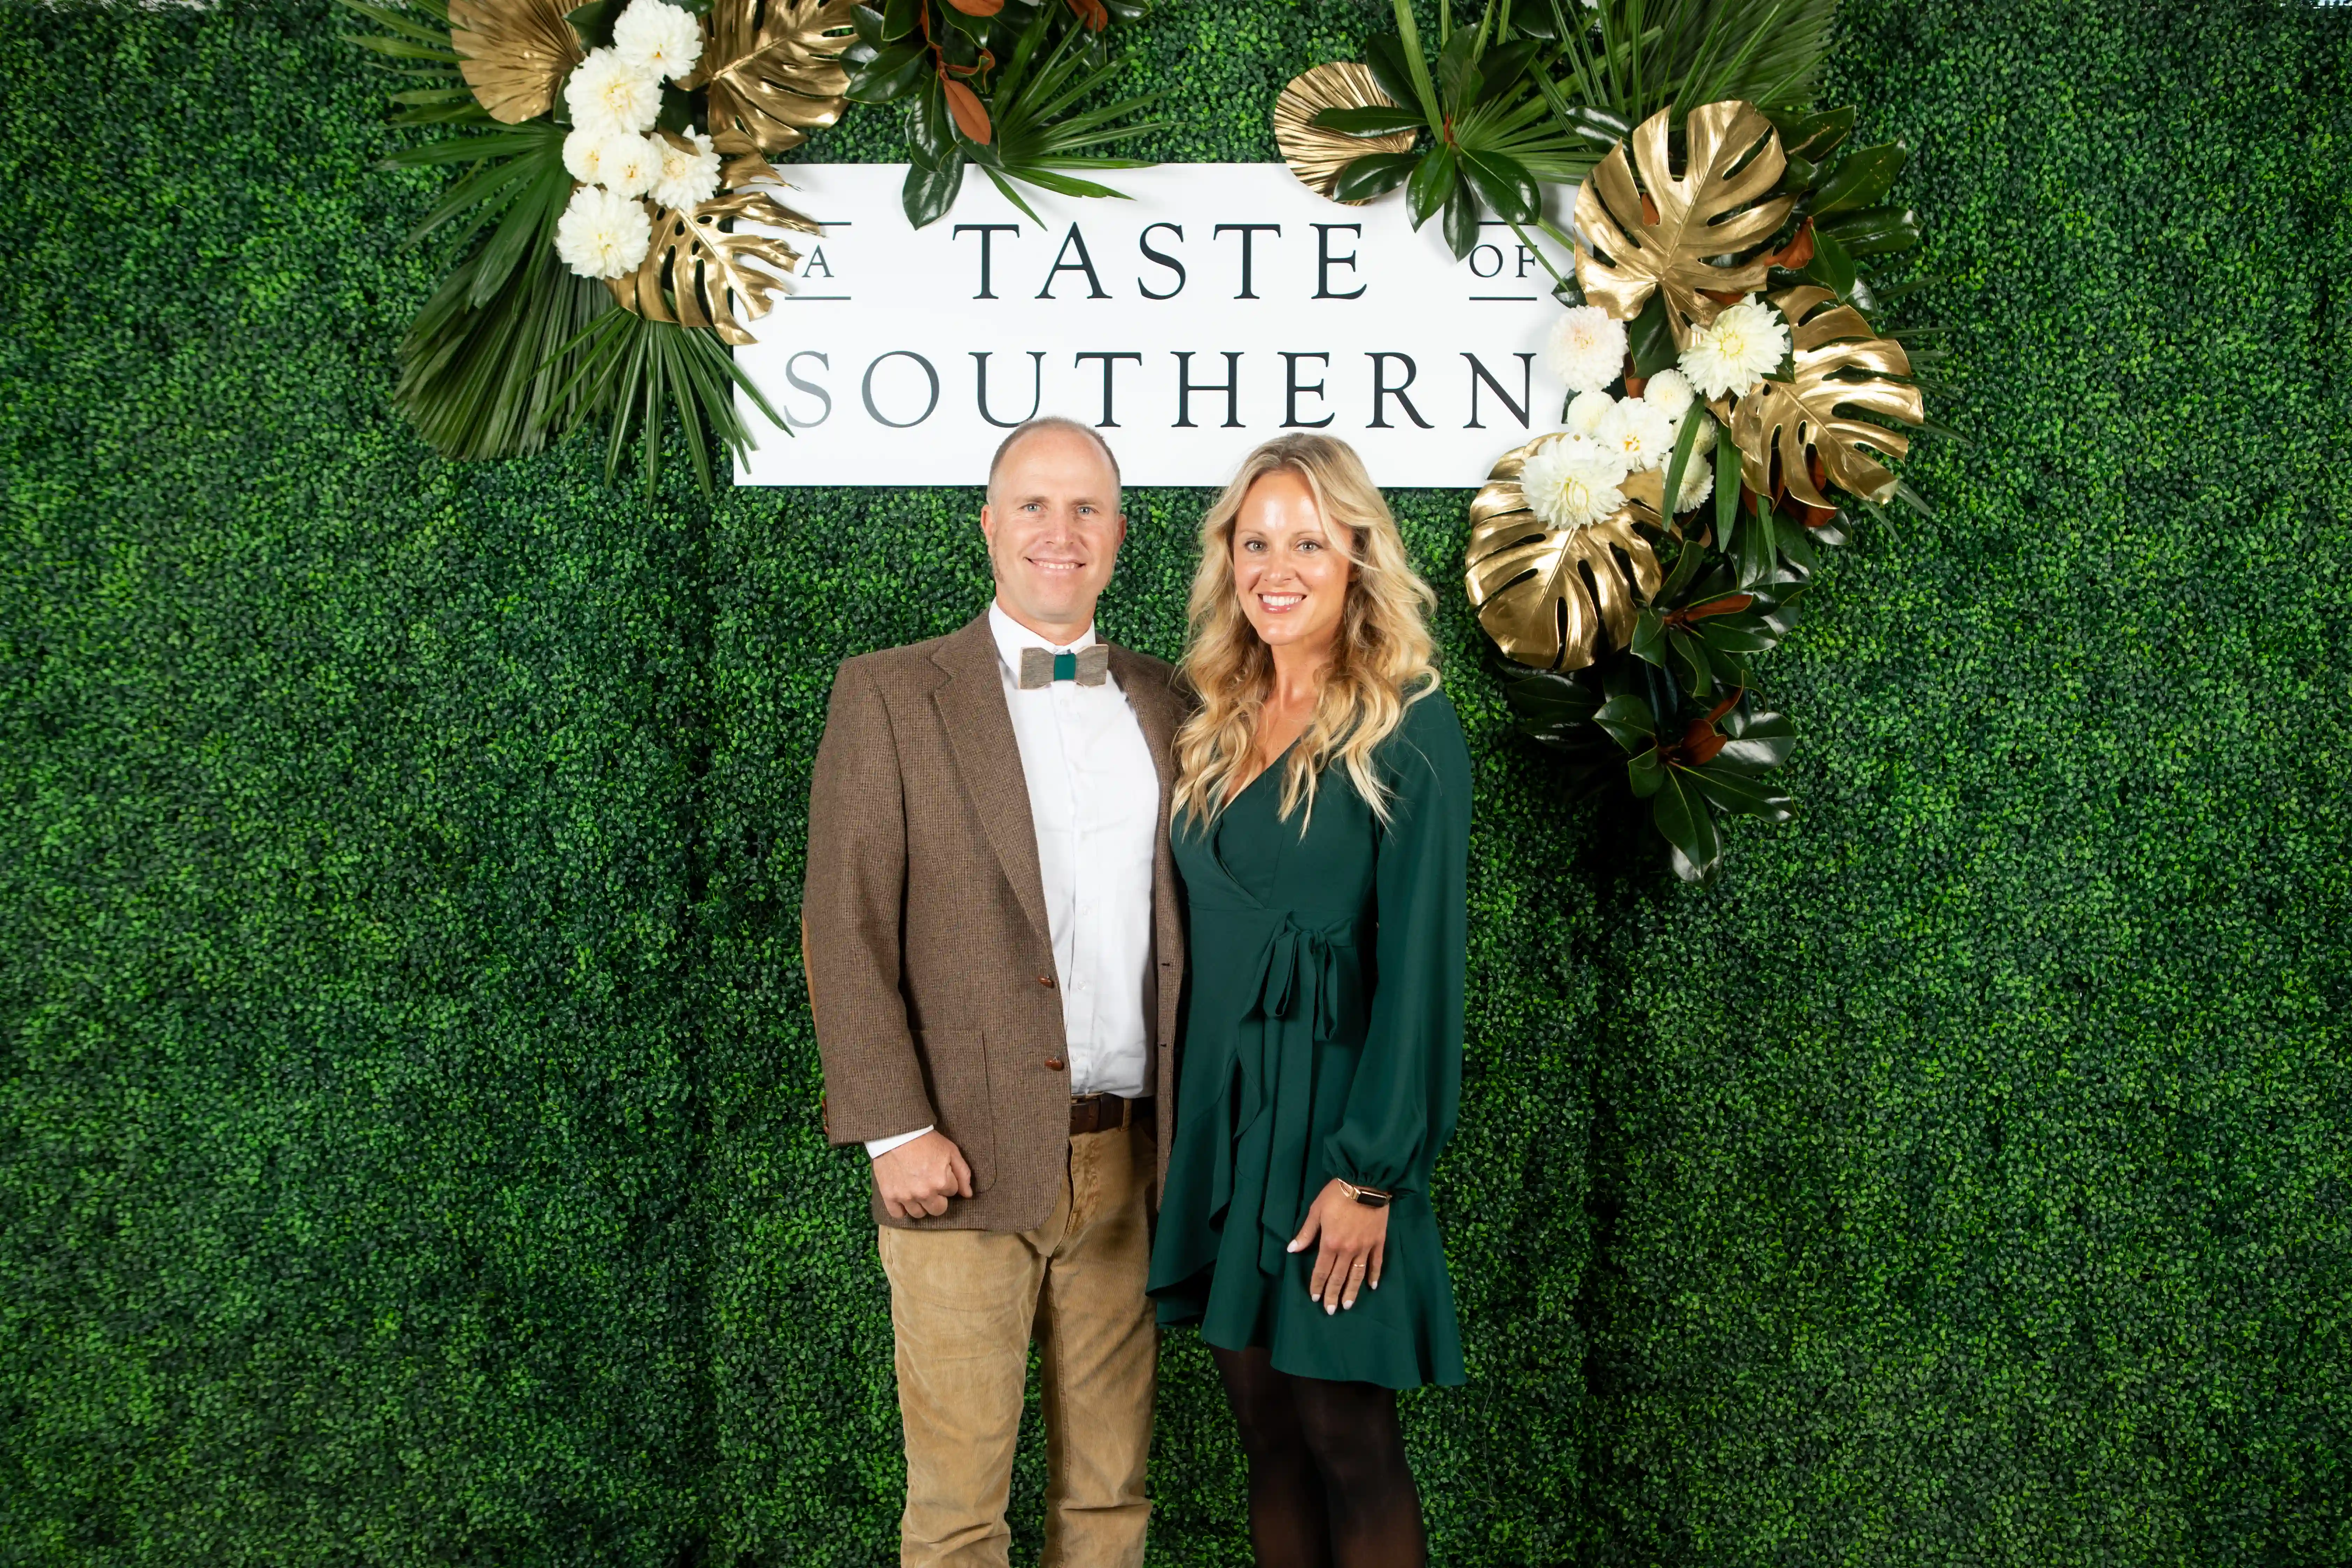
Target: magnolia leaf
<point>1546,594</point>
<point>698,274</point>
<point>1839,364</point>
<point>774,72</point>
<point>1318,154</point>
<point>514,54</point>
<point>1721,205</point>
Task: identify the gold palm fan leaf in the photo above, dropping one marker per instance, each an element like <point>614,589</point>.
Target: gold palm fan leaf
<point>695,272</point>
<point>1316,155</point>
<point>1626,252</point>
<point>514,54</point>
<point>1546,594</point>
<point>774,72</point>
<point>1840,363</point>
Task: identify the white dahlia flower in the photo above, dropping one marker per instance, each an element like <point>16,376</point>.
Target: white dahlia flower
<point>631,164</point>
<point>1572,482</point>
<point>1586,410</point>
<point>583,156</point>
<point>658,40</point>
<point>1587,348</point>
<point>1639,432</point>
<point>605,95</point>
<point>1745,343</point>
<point>689,175</point>
<point>1698,483</point>
<point>603,233</point>
<point>1669,392</point>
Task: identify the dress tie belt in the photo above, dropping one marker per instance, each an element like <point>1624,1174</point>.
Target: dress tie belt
<point>1307,976</point>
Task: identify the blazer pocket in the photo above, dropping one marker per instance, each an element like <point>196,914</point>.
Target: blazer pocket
<point>958,1063</point>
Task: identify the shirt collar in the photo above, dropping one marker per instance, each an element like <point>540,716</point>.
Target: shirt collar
<point>1012,636</point>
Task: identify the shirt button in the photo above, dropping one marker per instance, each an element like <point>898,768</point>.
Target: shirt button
<point>1055,1063</point>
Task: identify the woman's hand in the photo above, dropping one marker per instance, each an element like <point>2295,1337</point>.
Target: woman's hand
<point>1355,1239</point>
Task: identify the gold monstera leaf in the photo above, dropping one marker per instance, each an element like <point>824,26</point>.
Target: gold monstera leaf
<point>695,272</point>
<point>1544,594</point>
<point>774,72</point>
<point>514,54</point>
<point>1839,364</point>
<point>1628,252</point>
<point>1315,155</point>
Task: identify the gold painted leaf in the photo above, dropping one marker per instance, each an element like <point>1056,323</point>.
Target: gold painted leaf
<point>774,72</point>
<point>1720,205</point>
<point>1840,363</point>
<point>1315,155</point>
<point>698,274</point>
<point>514,54</point>
<point>1546,594</point>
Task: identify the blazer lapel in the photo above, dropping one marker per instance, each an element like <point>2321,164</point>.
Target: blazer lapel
<point>988,760</point>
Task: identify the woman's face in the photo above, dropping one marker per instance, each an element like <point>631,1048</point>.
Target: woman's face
<point>1291,574</point>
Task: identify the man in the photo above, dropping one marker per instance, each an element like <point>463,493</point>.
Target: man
<point>993,954</point>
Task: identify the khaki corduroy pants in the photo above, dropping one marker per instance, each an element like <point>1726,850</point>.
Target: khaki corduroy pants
<point>965,1304</point>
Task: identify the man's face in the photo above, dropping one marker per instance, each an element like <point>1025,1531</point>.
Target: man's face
<point>1054,531</point>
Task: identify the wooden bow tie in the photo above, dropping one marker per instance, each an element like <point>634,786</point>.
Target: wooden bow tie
<point>1041,667</point>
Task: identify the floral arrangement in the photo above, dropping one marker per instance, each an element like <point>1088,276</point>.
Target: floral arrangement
<point>1729,400</point>
<point>618,220</point>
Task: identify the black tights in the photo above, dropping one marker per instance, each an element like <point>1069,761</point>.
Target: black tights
<point>1329,1484</point>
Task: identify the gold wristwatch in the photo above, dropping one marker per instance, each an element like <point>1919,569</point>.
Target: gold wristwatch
<point>1370,1197</point>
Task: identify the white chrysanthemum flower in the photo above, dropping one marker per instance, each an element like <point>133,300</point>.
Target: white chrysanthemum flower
<point>1639,432</point>
<point>603,233</point>
<point>1704,442</point>
<point>1669,392</point>
<point>689,175</point>
<point>1572,482</point>
<point>1586,410</point>
<point>631,164</point>
<point>1745,343</point>
<point>605,95</point>
<point>1587,348</point>
<point>1698,483</point>
<point>583,156</point>
<point>658,40</point>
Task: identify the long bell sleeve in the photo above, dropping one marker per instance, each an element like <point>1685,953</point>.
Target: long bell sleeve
<point>1408,1084</point>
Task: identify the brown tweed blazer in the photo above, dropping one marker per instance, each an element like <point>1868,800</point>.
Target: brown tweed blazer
<point>930,965</point>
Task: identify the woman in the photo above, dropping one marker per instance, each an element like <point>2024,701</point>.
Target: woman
<point>1321,823</point>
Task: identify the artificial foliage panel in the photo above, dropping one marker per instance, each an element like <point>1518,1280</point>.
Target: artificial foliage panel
<point>408,1131</point>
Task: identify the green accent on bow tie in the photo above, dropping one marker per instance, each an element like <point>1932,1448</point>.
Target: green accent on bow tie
<point>1066,666</point>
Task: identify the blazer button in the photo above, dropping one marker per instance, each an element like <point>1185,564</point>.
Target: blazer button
<point>1046,981</point>
<point>1055,1063</point>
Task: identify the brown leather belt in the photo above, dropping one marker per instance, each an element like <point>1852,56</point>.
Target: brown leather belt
<point>1102,1113</point>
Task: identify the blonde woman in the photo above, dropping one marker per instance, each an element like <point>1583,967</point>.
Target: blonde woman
<point>1321,822</point>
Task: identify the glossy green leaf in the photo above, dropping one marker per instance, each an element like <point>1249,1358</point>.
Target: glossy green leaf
<point>1741,794</point>
<point>1758,742</point>
<point>1375,175</point>
<point>1862,177</point>
<point>1873,231</point>
<point>1378,121</point>
<point>1505,186</point>
<point>1650,338</point>
<point>1683,815</point>
<point>1649,640</point>
<point>1462,220</point>
<point>1430,186</point>
<point>1628,720</point>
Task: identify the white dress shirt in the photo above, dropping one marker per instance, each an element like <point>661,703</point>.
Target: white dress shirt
<point>1094,800</point>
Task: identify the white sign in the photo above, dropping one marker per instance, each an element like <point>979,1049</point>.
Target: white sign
<point>1224,304</point>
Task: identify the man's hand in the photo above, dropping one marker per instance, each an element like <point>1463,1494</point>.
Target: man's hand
<point>919,1177</point>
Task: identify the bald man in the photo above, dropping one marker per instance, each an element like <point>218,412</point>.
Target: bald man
<point>994,952</point>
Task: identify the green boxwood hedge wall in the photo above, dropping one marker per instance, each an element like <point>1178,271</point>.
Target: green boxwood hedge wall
<point>410,1153</point>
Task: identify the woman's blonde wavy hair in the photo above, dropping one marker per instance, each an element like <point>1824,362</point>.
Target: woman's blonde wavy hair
<point>1380,662</point>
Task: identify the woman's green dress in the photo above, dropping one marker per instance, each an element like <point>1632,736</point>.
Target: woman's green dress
<point>1323,1038</point>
